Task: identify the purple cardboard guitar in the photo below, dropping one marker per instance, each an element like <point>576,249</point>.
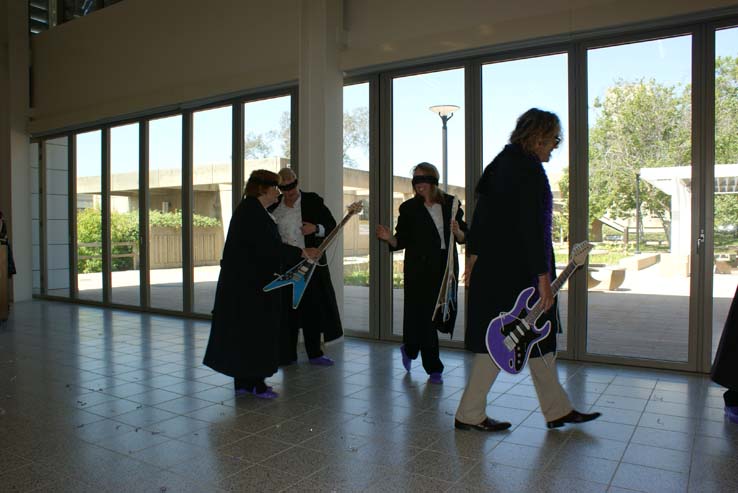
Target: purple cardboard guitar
<point>512,335</point>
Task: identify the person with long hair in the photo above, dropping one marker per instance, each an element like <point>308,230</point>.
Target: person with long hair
<point>510,248</point>
<point>423,229</point>
<point>244,335</point>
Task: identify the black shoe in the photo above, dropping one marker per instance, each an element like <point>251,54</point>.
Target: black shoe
<point>488,424</point>
<point>573,417</point>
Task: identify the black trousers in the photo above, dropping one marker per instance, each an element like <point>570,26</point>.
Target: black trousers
<point>250,383</point>
<point>307,316</point>
<point>731,398</point>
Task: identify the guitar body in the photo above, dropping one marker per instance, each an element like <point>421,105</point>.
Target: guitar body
<point>510,338</point>
<point>298,277</point>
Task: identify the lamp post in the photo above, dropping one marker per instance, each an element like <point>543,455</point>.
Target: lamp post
<point>446,112</point>
<point>638,214</point>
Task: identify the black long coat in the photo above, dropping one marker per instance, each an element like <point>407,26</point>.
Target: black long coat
<point>424,264</point>
<point>508,235</point>
<point>246,320</point>
<point>725,366</point>
<point>314,211</point>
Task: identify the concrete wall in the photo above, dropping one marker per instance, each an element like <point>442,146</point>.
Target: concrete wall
<point>143,54</point>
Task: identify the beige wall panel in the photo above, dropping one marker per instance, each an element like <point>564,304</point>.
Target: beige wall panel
<point>387,31</point>
<point>143,54</point>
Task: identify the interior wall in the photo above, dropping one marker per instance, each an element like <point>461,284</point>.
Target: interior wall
<point>141,54</point>
<point>386,31</point>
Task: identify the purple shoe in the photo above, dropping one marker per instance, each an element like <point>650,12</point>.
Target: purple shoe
<point>321,361</point>
<point>406,361</point>
<point>435,377</point>
<point>267,394</point>
<point>731,412</point>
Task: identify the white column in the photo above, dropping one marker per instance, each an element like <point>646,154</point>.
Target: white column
<point>15,170</point>
<point>681,218</point>
<point>321,115</point>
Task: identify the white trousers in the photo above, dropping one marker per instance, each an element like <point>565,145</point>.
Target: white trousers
<point>551,395</point>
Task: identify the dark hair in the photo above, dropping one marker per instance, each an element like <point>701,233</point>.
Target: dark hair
<point>532,125</point>
<point>436,194</point>
<point>260,181</point>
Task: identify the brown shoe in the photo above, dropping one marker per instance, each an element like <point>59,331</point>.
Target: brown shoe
<point>573,417</point>
<point>488,424</point>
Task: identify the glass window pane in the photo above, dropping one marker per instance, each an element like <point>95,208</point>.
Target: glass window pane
<point>213,198</point>
<point>165,214</point>
<point>508,90</point>
<point>89,216</point>
<point>35,218</point>
<point>267,134</point>
<point>124,196</point>
<point>640,212</point>
<point>356,234</point>
<point>418,137</point>
<point>726,177</point>
<point>56,169</point>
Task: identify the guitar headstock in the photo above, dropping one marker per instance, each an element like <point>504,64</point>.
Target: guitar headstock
<point>356,207</point>
<point>580,251</point>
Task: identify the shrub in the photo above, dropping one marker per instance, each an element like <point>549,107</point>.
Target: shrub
<point>123,229</point>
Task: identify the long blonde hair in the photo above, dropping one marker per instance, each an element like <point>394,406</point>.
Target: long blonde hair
<point>532,125</point>
<point>436,194</point>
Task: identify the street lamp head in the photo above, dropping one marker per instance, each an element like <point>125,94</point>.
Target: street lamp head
<point>444,109</point>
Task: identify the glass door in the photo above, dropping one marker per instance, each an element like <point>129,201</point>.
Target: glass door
<point>640,200</point>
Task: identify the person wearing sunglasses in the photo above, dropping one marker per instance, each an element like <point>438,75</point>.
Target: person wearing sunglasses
<point>423,229</point>
<point>510,248</point>
<point>246,326</point>
<point>304,221</point>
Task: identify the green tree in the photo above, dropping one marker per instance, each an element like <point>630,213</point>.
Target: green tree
<point>641,124</point>
<point>355,133</point>
<point>258,146</point>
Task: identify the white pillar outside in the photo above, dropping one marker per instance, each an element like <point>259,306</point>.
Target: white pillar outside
<point>321,115</point>
<point>681,218</point>
<point>15,169</point>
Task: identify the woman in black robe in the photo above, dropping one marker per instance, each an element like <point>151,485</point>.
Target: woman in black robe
<point>423,229</point>
<point>725,366</point>
<point>510,247</point>
<point>246,321</point>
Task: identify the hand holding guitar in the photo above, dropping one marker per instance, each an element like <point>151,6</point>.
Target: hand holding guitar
<point>311,253</point>
<point>544,291</point>
<point>458,234</point>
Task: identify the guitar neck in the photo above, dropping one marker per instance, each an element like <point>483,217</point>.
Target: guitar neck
<point>333,234</point>
<point>537,309</point>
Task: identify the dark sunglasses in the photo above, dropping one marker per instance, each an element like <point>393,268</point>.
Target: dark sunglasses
<point>288,186</point>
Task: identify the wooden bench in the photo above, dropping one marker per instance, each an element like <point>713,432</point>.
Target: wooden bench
<point>610,278</point>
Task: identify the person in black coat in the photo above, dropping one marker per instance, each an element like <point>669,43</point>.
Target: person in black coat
<point>725,366</point>
<point>511,248</point>
<point>304,221</point>
<point>423,229</point>
<point>244,334</point>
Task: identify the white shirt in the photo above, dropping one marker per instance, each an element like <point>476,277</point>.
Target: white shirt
<point>289,223</point>
<point>436,212</point>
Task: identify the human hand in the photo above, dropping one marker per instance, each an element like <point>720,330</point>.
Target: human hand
<point>308,229</point>
<point>383,233</point>
<point>466,276</point>
<point>311,253</point>
<point>544,291</point>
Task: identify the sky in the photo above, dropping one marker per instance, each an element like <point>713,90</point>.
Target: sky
<point>508,89</point>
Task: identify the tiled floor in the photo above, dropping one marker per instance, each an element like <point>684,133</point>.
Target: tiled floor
<point>103,400</point>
